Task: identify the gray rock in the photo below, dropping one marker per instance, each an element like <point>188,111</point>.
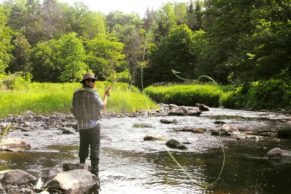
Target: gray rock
<point>50,173</point>
<point>217,122</point>
<point>14,145</point>
<point>172,143</point>
<point>166,121</point>
<point>66,130</point>
<point>71,166</point>
<point>177,113</point>
<point>285,130</point>
<point>73,182</point>
<point>18,177</point>
<point>279,153</point>
<point>152,138</point>
<point>202,107</point>
<point>192,130</point>
<point>2,190</point>
<point>193,112</point>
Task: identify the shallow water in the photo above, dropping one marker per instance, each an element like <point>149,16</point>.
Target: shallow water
<point>130,165</point>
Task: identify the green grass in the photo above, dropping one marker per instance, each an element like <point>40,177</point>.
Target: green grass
<point>186,94</point>
<point>46,98</point>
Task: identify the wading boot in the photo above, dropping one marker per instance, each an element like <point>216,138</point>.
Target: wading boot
<point>95,167</point>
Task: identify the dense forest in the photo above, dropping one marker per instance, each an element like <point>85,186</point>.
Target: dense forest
<point>232,41</point>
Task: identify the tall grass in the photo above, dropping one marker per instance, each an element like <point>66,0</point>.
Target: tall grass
<point>46,98</point>
<point>186,94</point>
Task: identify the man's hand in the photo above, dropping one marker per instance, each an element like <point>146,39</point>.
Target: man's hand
<point>107,91</point>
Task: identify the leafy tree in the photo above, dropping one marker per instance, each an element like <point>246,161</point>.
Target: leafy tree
<point>21,54</point>
<point>44,57</point>
<point>5,45</point>
<point>179,51</point>
<point>105,56</point>
<point>72,58</point>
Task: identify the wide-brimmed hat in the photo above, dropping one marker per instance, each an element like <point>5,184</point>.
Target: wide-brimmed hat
<point>88,75</point>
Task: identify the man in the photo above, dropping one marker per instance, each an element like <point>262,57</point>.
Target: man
<point>86,108</point>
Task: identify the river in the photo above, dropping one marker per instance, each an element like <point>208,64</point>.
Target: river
<point>130,165</point>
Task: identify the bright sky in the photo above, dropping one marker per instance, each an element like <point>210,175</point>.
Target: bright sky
<point>127,6</point>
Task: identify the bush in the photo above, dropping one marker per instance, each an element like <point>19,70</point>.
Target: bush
<point>16,81</point>
<point>274,93</point>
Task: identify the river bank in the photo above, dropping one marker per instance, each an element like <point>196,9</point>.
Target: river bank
<point>129,164</point>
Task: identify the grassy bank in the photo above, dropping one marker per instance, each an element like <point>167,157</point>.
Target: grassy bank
<point>271,94</point>
<point>46,98</point>
<point>186,94</point>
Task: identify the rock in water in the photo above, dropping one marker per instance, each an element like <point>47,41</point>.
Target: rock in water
<point>66,130</point>
<point>152,138</point>
<point>279,153</point>
<point>2,190</point>
<point>172,143</point>
<point>70,166</point>
<point>285,131</point>
<point>14,144</point>
<point>202,107</point>
<point>165,121</point>
<point>18,177</point>
<point>73,182</point>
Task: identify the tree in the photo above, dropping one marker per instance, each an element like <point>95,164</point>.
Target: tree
<point>44,58</point>
<point>179,51</point>
<point>105,56</point>
<point>72,58</point>
<point>5,45</point>
<point>21,54</point>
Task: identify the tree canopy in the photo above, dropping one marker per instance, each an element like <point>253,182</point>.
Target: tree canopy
<point>233,41</point>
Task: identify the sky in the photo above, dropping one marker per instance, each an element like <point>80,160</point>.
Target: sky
<point>127,6</point>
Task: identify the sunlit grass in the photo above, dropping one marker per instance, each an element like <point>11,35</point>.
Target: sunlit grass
<point>46,98</point>
<point>186,94</point>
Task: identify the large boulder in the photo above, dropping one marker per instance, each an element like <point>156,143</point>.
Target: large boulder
<point>285,130</point>
<point>73,182</point>
<point>14,144</point>
<point>172,143</point>
<point>279,153</point>
<point>18,177</point>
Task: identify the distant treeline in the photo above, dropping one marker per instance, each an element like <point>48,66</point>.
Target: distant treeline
<point>233,41</point>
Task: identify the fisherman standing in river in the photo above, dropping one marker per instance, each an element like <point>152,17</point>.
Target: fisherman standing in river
<point>86,108</point>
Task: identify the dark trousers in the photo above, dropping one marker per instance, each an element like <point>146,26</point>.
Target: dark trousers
<point>90,137</point>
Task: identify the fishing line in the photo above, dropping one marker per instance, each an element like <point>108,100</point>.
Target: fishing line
<point>207,185</point>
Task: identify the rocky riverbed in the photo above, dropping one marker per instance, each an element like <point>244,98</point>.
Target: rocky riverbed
<point>134,152</point>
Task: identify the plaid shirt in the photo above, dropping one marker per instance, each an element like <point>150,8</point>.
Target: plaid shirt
<point>86,108</point>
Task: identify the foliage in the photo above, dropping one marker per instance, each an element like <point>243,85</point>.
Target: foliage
<point>5,46</point>
<point>21,54</point>
<point>262,94</point>
<point>71,58</point>
<point>179,51</point>
<point>16,81</point>
<point>233,41</point>
<point>105,56</point>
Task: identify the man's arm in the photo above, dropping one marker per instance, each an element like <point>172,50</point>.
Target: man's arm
<point>106,94</point>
